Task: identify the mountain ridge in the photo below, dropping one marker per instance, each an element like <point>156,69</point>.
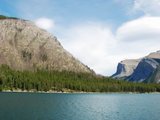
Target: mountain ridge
<point>24,46</point>
<point>142,71</point>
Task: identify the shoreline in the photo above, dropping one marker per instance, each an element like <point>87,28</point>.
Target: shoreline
<point>34,91</point>
<point>72,92</point>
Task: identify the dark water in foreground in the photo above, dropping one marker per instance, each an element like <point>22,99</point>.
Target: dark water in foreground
<point>34,106</point>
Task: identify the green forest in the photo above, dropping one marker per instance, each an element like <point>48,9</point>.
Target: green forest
<point>43,80</point>
<point>5,17</point>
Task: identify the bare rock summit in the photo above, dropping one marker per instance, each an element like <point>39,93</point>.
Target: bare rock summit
<point>24,46</point>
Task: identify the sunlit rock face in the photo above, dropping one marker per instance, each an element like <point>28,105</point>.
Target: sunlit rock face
<point>24,46</point>
<point>155,55</point>
<point>125,68</point>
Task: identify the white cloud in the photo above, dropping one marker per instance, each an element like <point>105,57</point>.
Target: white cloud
<point>45,23</point>
<point>138,38</point>
<point>91,43</point>
<point>142,34</point>
<point>145,28</point>
<point>149,7</point>
<point>96,45</point>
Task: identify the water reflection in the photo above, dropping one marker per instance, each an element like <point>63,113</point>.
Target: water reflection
<point>25,106</point>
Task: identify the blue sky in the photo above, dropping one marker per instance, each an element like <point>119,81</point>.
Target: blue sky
<point>98,32</point>
<point>69,11</point>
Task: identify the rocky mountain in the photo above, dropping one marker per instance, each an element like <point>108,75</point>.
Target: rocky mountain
<point>155,55</point>
<point>125,68</point>
<point>24,46</point>
<point>146,69</point>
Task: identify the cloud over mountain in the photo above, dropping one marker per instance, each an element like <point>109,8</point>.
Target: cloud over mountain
<point>45,23</point>
<point>100,48</point>
<point>100,35</point>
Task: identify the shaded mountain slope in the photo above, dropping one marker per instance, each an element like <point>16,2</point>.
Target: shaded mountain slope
<point>146,69</point>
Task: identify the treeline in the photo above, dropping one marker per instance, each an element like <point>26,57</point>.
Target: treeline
<point>5,17</point>
<point>42,80</point>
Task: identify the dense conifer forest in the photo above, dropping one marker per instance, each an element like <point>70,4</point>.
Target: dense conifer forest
<point>43,80</point>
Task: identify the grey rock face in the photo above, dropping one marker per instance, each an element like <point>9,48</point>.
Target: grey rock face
<point>125,68</point>
<point>143,70</point>
<point>24,46</point>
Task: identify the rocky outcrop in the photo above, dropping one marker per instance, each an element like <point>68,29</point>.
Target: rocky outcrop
<point>154,55</point>
<point>145,69</point>
<point>125,68</point>
<point>24,46</point>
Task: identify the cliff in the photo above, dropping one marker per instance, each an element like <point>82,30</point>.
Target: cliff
<point>145,69</point>
<point>125,68</point>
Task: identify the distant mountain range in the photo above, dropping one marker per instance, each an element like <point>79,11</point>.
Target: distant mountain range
<point>146,69</point>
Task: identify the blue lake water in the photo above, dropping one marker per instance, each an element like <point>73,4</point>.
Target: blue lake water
<point>36,106</point>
